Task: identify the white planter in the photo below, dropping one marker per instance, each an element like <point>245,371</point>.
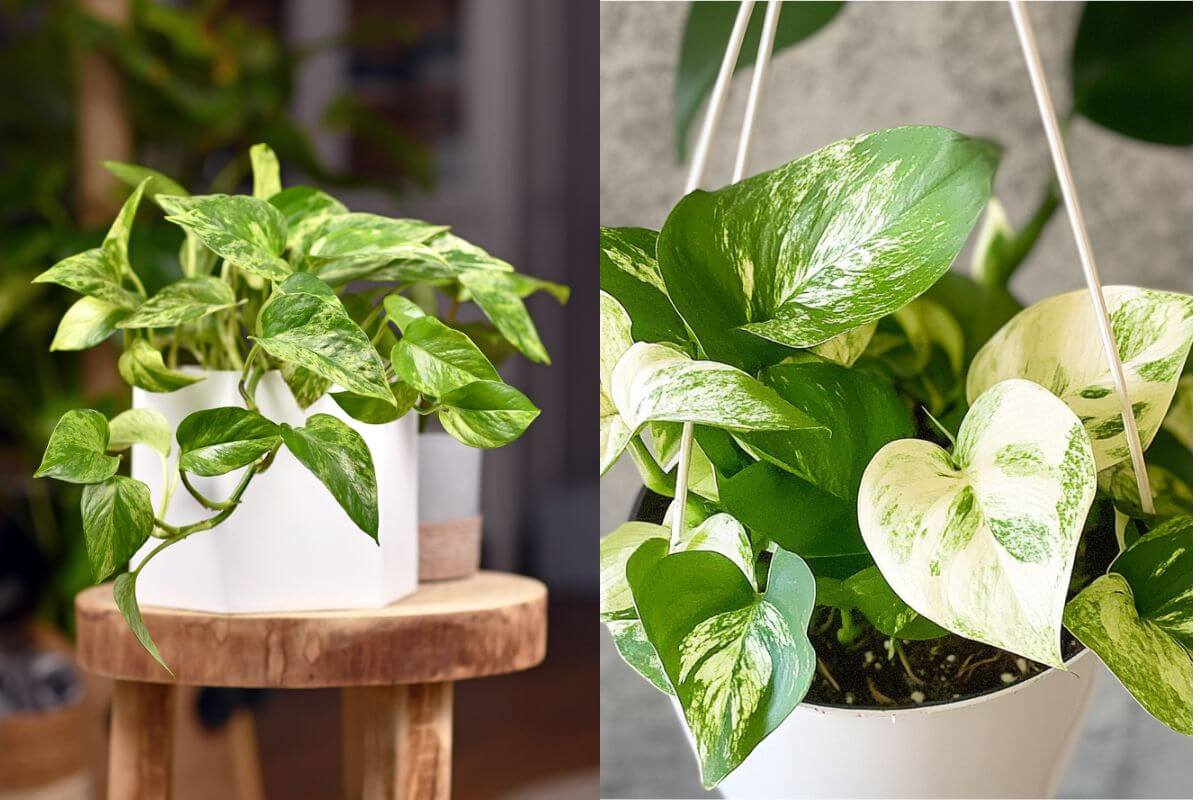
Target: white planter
<point>289,546</point>
<point>1012,743</point>
<point>451,524</point>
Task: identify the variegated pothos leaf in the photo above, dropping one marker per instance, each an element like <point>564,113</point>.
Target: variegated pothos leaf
<point>981,540</point>
<point>1056,343</point>
<point>615,339</point>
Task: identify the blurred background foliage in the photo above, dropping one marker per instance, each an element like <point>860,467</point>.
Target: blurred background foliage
<point>203,81</point>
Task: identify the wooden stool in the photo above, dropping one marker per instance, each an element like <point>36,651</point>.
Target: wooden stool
<point>396,667</point>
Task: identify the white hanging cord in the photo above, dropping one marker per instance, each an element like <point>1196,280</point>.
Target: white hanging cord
<point>1071,201</point>
<point>765,44</point>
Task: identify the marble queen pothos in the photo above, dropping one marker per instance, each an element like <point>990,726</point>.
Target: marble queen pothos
<point>805,320</point>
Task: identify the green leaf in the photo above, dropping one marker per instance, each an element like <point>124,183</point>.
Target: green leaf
<point>635,649</point>
<point>374,411</point>
<point>140,426</point>
<point>1131,70</point>
<point>76,450</point>
<point>629,273</point>
<point>845,348</point>
<point>704,40</point>
<point>142,366</point>
<point>306,386</point>
<point>981,540</point>
<point>215,441</point>
<point>305,210</point>
<point>401,310</point>
<point>125,595</point>
<point>616,599</point>
<point>117,519</point>
<point>857,412</point>
<point>338,456</point>
<point>265,166</point>
<point>496,295</point>
<point>1152,665</point>
<point>247,232</point>
<point>1055,343</point>
<point>884,609</point>
<point>87,323</point>
<point>926,323</point>
<point>486,413</point>
<point>525,285</point>
<point>91,274</point>
<point>115,247</point>
<point>739,662</point>
<point>346,247</point>
<point>1178,421</point>
<point>304,323</point>
<point>980,310</point>
<point>181,302</point>
<point>133,175</point>
<point>792,512</point>
<point>1158,567</point>
<point>796,256</point>
<point>654,382</point>
<point>1170,493</point>
<point>615,339</point>
<point>436,359</point>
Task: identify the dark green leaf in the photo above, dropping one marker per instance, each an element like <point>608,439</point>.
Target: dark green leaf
<point>142,366</point>
<point>218,440</point>
<point>76,450</point>
<point>436,359</point>
<point>629,272</point>
<point>338,456</point>
<point>486,413</point>
<point>117,519</point>
<point>884,609</point>
<point>1158,567</point>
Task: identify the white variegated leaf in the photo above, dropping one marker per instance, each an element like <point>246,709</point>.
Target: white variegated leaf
<point>1056,343</point>
<point>723,534</point>
<point>981,540</point>
<point>846,348</point>
<point>654,382</point>
<point>616,601</point>
<point>615,339</point>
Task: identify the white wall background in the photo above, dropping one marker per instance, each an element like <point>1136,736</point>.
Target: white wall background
<point>879,65</point>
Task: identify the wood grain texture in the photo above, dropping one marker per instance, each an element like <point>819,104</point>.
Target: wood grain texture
<point>488,624</point>
<point>397,742</point>
<point>140,746</point>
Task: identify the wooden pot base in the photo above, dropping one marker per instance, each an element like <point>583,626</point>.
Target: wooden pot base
<point>449,549</point>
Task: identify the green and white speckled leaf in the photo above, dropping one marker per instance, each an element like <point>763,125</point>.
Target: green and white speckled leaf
<point>739,661</point>
<point>497,295</point>
<point>800,254</point>
<point>846,348</point>
<point>247,232</point>
<point>142,366</point>
<point>180,302</point>
<point>87,323</point>
<point>1056,343</point>
<point>265,166</point>
<point>629,272</point>
<point>1152,665</point>
<point>981,540</point>
<point>1158,567</point>
<point>654,382</point>
<point>926,324</point>
<point>722,534</point>
<point>616,601</point>
<point>1172,495</point>
<point>635,649</point>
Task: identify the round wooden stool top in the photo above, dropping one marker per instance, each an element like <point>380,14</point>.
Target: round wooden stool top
<point>488,624</point>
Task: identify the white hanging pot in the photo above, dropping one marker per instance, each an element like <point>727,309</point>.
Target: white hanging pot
<point>289,546</point>
<point>451,524</point>
<point>1014,742</point>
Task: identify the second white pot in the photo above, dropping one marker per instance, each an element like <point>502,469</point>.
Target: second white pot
<point>1012,743</point>
<point>451,525</point>
<point>289,546</point>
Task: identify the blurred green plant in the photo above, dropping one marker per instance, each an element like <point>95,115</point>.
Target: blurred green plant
<point>203,81</point>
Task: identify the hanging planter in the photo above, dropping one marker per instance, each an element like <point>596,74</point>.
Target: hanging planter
<point>294,354</point>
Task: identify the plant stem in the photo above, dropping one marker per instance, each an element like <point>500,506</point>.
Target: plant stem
<point>1023,242</point>
<point>453,310</point>
<point>181,532</point>
<point>653,475</point>
<point>137,282</point>
<point>246,390</point>
<point>214,505</point>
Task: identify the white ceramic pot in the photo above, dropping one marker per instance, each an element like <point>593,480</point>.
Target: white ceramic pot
<point>1012,743</point>
<point>289,546</point>
<point>451,524</point>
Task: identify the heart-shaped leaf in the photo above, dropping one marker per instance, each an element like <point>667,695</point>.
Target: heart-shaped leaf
<point>215,441</point>
<point>304,323</point>
<point>1158,567</point>
<point>981,540</point>
<point>306,386</point>
<point>401,310</point>
<point>436,359</point>
<point>142,366</point>
<point>373,411</point>
<point>884,609</point>
<point>858,412</point>
<point>1152,665</point>
<point>739,661</point>
<point>87,323</point>
<point>76,452</point>
<point>117,519</point>
<point>486,413</point>
<point>1056,343</point>
<point>265,166</point>
<point>183,301</point>
<point>496,294</point>
<point>134,174</point>
<point>304,210</point>
<point>615,339</point>
<point>247,232</point>
<point>338,456</point>
<point>140,426</point>
<point>125,596</point>
<point>798,255</point>
<point>629,273</point>
<point>654,382</point>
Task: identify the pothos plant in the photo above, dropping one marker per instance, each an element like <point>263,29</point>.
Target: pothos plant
<point>876,436</point>
<point>288,280</point>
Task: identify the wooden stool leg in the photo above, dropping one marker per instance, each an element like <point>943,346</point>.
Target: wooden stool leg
<point>397,741</point>
<point>139,748</point>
